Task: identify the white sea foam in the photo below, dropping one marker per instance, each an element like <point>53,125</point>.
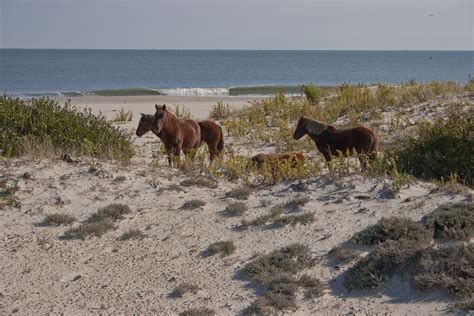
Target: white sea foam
<point>196,91</point>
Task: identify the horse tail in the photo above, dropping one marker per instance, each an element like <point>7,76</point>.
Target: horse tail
<point>374,148</point>
<point>220,145</point>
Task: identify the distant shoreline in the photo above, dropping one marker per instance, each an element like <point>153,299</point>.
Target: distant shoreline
<point>261,90</point>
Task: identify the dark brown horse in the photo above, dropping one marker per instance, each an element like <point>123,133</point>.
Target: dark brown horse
<point>212,135</point>
<point>296,158</point>
<point>175,134</point>
<point>331,141</point>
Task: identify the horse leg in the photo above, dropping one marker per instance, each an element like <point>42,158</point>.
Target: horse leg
<point>169,152</point>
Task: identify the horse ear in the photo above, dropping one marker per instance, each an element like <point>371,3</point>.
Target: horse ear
<point>331,128</point>
<point>156,107</point>
<point>142,114</point>
<point>164,107</point>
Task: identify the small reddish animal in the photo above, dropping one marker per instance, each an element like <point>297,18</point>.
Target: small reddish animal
<point>177,135</point>
<point>212,135</point>
<point>331,141</point>
<point>296,158</point>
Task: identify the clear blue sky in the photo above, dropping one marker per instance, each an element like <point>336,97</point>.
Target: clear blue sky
<point>238,24</point>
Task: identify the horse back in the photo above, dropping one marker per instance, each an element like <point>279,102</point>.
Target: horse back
<point>359,138</point>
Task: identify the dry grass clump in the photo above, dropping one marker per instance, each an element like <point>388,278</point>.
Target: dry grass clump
<point>199,182</point>
<point>58,219</point>
<point>193,204</point>
<point>289,259</point>
<point>132,234</point>
<point>451,221</point>
<point>99,223</point>
<point>345,255</point>
<point>236,209</point>
<point>7,194</point>
<point>240,193</point>
<point>90,229</point>
<point>112,212</point>
<point>225,248</point>
<point>120,179</point>
<point>448,267</point>
<point>298,201</point>
<point>466,305</point>
<point>381,264</point>
<point>313,287</point>
<point>302,219</point>
<point>220,111</point>
<point>392,228</point>
<point>122,116</point>
<point>263,219</point>
<point>203,311</point>
<point>275,271</point>
<point>184,288</point>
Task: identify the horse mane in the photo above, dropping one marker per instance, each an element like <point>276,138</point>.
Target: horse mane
<point>315,128</point>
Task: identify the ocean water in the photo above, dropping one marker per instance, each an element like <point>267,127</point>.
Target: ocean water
<point>213,72</point>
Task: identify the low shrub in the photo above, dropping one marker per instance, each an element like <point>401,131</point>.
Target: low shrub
<point>220,111</point>
<point>112,212</point>
<point>122,116</point>
<point>58,219</point>
<point>236,209</point>
<point>28,127</point>
<point>345,255</point>
<point>313,93</point>
<point>89,229</point>
<point>225,248</point>
<point>451,221</point>
<point>302,219</point>
<point>184,288</point>
<point>240,193</point>
<point>193,204</point>
<point>198,312</point>
<point>392,228</point>
<point>199,182</point>
<point>132,234</point>
<point>440,150</point>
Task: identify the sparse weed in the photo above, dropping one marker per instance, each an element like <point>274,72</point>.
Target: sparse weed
<point>203,311</point>
<point>345,255</point>
<point>193,204</point>
<point>236,209</point>
<point>58,219</point>
<point>184,288</point>
<point>225,248</point>
<point>240,193</point>
<point>132,234</point>
<point>122,116</point>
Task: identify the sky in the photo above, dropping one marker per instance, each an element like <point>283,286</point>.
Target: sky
<point>238,24</point>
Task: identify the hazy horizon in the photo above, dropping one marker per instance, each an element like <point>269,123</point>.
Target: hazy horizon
<point>417,25</point>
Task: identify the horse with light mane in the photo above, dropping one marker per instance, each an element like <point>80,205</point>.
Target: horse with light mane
<point>177,135</point>
<point>332,142</point>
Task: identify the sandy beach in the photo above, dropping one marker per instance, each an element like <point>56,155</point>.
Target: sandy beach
<point>44,273</point>
<point>198,106</point>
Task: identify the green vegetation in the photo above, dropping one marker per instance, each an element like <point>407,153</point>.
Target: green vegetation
<point>122,116</point>
<point>441,150</point>
<point>220,111</point>
<point>313,93</point>
<point>392,228</point>
<point>451,221</point>
<point>41,125</point>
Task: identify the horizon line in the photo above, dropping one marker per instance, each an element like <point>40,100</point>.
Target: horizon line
<point>240,49</point>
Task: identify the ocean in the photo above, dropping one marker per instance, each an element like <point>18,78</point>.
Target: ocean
<point>29,72</point>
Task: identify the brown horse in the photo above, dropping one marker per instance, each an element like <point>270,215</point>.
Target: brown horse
<point>175,134</point>
<point>331,141</point>
<point>296,158</point>
<point>212,135</point>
